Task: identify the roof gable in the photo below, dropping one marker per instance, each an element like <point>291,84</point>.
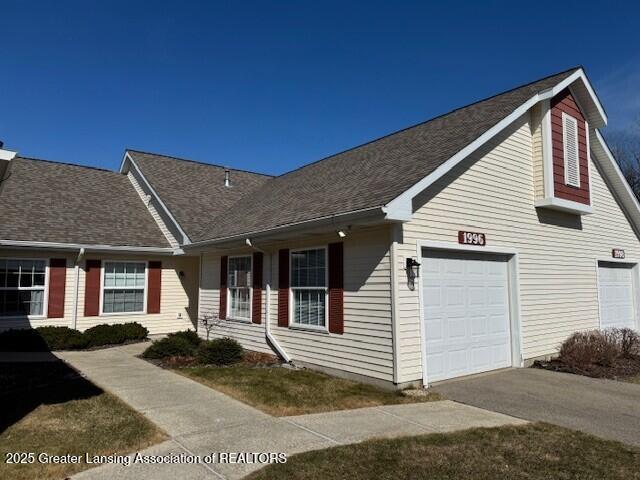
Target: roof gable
<point>193,192</point>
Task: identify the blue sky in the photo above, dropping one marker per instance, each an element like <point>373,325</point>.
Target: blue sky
<point>269,86</point>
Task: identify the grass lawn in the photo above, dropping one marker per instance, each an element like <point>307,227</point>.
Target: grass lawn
<point>282,391</point>
<point>531,452</point>
<point>48,408</point>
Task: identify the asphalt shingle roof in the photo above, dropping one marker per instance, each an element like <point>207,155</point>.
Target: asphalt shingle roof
<point>370,175</point>
<point>57,202</point>
<point>194,192</point>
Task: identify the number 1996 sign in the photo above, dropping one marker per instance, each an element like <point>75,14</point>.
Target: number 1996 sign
<point>471,238</point>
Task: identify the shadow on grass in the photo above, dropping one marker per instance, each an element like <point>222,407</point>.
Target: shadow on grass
<point>24,386</point>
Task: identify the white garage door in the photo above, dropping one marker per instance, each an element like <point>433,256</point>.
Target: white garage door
<point>466,313</point>
<point>617,302</point>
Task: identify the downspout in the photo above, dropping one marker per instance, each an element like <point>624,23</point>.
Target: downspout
<point>76,289</point>
<point>267,321</point>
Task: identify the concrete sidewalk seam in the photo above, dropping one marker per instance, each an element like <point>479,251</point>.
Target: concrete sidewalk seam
<point>207,467</point>
<point>424,427</point>
<point>317,434</point>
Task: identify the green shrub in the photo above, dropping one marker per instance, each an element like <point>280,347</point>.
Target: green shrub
<point>172,346</point>
<point>189,335</point>
<point>62,338</point>
<point>22,340</point>
<point>134,331</point>
<point>221,351</point>
<point>104,335</point>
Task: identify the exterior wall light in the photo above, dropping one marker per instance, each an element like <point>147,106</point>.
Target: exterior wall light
<point>412,269</point>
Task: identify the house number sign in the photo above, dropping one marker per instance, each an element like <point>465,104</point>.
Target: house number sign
<point>617,253</point>
<point>471,238</point>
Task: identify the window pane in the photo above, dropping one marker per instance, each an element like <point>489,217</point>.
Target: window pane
<point>309,307</point>
<point>239,307</point>
<point>308,268</point>
<point>239,272</point>
<point>123,300</point>
<point>13,273</point>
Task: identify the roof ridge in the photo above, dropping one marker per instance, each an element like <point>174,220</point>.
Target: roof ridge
<point>57,162</point>
<point>199,162</point>
<point>395,132</point>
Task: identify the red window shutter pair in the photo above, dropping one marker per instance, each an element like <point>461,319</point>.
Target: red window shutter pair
<point>92,287</point>
<point>336,288</point>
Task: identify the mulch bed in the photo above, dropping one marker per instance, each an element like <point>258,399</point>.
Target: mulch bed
<point>249,359</point>
<point>623,368</point>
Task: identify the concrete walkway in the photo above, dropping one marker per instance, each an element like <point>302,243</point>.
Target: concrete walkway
<point>201,420</point>
<point>605,408</point>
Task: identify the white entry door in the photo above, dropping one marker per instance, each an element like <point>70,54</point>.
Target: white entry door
<point>617,295</point>
<point>466,313</point>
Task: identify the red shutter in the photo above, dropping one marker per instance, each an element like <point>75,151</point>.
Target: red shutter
<point>57,280</point>
<point>336,288</point>
<point>256,303</point>
<point>283,288</point>
<point>92,289</point>
<point>154,287</point>
<point>223,288</point>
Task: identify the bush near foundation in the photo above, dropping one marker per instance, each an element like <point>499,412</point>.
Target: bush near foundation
<point>49,338</point>
<point>610,353</point>
<point>173,345</point>
<point>221,351</point>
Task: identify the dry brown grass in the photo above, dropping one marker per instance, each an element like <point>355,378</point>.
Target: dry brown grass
<point>531,452</point>
<point>283,392</point>
<point>66,416</point>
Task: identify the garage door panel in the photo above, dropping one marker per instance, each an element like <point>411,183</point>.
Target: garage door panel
<point>617,295</point>
<point>466,314</point>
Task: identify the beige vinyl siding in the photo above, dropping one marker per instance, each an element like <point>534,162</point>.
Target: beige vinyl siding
<point>178,295</point>
<point>536,147</point>
<point>146,199</point>
<point>557,251</point>
<point>366,347</point>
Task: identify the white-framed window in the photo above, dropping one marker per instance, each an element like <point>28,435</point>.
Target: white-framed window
<point>571,150</point>
<point>22,287</point>
<point>239,285</point>
<point>309,288</point>
<point>124,286</point>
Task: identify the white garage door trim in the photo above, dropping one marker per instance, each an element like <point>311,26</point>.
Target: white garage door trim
<point>514,295</point>
<point>635,268</point>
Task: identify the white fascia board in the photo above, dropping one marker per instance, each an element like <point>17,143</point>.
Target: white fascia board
<point>398,207</point>
<point>89,247</point>
<point>563,205</point>
<point>351,216</point>
<point>127,163</point>
<point>7,154</point>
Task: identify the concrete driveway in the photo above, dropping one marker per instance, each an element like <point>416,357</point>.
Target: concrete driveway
<point>605,408</point>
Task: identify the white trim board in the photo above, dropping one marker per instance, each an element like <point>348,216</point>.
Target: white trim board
<point>127,159</point>
<point>89,247</point>
<point>515,315</point>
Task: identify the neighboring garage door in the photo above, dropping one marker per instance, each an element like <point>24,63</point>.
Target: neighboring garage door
<point>466,313</point>
<point>617,299</point>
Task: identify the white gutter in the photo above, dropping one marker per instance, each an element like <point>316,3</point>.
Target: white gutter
<point>267,320</point>
<point>287,226</point>
<point>97,248</point>
<point>74,318</point>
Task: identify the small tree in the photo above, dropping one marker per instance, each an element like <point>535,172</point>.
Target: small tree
<point>211,321</point>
